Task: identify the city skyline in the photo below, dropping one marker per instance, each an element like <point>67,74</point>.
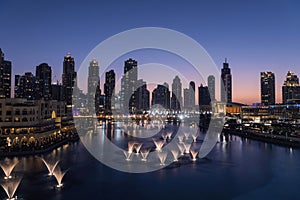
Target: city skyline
<point>253,38</point>
<point>44,71</point>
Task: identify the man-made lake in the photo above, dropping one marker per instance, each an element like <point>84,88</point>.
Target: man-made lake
<point>237,169</point>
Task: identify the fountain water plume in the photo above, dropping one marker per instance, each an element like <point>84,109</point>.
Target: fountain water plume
<point>194,154</point>
<point>169,135</point>
<point>10,187</point>
<point>195,137</point>
<point>50,166</point>
<point>8,166</point>
<point>127,155</point>
<point>186,135</point>
<point>164,136</point>
<point>131,146</point>
<point>181,149</point>
<point>187,147</point>
<point>175,154</point>
<point>158,144</point>
<point>162,157</point>
<point>180,138</point>
<point>138,147</point>
<point>144,154</point>
<point>59,175</point>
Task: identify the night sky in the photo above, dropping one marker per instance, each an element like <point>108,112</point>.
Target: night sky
<point>254,35</point>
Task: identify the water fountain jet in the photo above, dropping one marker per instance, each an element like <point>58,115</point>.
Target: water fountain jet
<point>10,187</point>
<point>8,166</point>
<point>194,154</point>
<point>162,157</point>
<point>50,166</point>
<point>187,147</point>
<point>175,154</point>
<point>138,147</point>
<point>145,154</point>
<point>59,175</point>
<point>186,135</point>
<point>180,138</point>
<point>127,155</point>
<point>158,144</point>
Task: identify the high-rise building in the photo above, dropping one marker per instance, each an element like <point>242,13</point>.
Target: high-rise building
<point>161,96</point>
<point>203,96</point>
<point>5,77</point>
<point>128,86</point>
<point>109,90</point>
<point>211,84</point>
<point>189,96</point>
<point>176,99</point>
<point>57,91</point>
<point>43,77</point>
<point>142,96</point>
<point>290,88</point>
<point>94,91</point>
<point>226,83</point>
<point>26,86</point>
<point>267,88</point>
<point>68,82</point>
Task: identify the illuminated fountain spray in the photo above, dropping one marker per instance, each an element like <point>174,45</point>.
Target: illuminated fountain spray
<point>187,147</point>
<point>10,187</point>
<point>59,175</point>
<point>162,157</point>
<point>130,147</point>
<point>169,135</point>
<point>195,137</point>
<point>127,155</point>
<point>164,136</point>
<point>194,154</point>
<point>181,149</point>
<point>158,144</point>
<point>145,154</point>
<point>180,139</point>
<point>186,135</point>
<point>50,166</point>
<point>138,147</point>
<point>175,154</point>
<point>8,166</point>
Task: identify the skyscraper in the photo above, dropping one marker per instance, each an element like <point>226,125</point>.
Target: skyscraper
<point>226,84</point>
<point>26,86</point>
<point>211,84</point>
<point>128,86</point>
<point>176,99</point>
<point>43,77</point>
<point>5,77</point>
<point>142,97</point>
<point>68,82</point>
<point>109,90</point>
<point>94,91</point>
<point>267,88</point>
<point>203,96</point>
<point>290,88</point>
<point>189,96</point>
<point>161,96</point>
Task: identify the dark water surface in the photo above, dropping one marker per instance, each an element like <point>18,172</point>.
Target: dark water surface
<point>238,169</point>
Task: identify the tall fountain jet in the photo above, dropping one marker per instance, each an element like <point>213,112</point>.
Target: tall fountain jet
<point>10,187</point>
<point>59,175</point>
<point>162,157</point>
<point>50,166</point>
<point>8,166</point>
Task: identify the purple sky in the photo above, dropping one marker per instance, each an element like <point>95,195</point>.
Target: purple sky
<point>254,35</point>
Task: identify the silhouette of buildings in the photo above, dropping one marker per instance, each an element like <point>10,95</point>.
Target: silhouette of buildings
<point>290,88</point>
<point>5,77</point>
<point>226,83</point>
<point>267,88</point>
